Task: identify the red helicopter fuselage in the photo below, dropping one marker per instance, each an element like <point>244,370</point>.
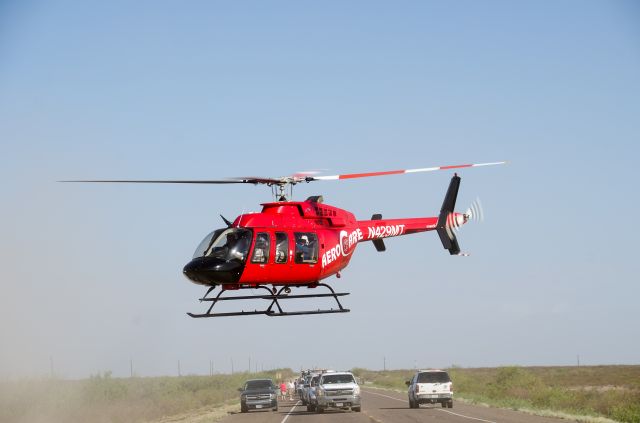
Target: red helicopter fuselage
<point>292,243</point>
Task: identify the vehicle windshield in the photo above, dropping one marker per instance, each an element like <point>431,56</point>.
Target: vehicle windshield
<point>328,379</point>
<point>257,384</point>
<point>433,377</point>
<point>226,244</point>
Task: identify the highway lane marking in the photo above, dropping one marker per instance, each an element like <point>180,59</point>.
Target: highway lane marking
<point>373,419</point>
<point>466,417</point>
<point>290,411</point>
<point>438,409</point>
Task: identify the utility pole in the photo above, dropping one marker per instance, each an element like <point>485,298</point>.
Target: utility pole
<point>384,364</point>
<point>578,357</point>
<point>179,373</point>
<point>231,365</point>
<point>249,364</point>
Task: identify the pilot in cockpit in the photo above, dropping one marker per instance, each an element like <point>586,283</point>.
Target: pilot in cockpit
<point>305,248</point>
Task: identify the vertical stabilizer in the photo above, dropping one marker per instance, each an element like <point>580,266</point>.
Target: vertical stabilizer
<point>447,235</point>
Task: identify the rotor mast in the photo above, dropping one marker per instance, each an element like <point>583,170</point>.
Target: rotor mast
<point>282,189</point>
<point>280,193</point>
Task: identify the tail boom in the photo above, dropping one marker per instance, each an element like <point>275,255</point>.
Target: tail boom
<point>386,228</point>
<point>445,223</point>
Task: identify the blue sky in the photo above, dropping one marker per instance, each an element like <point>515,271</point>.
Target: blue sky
<point>91,275</point>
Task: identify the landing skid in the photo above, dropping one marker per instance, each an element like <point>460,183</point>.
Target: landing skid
<point>274,309</point>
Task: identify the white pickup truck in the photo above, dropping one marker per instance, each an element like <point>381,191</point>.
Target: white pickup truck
<point>337,390</point>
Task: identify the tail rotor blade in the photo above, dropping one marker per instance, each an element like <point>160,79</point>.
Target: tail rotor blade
<point>474,212</point>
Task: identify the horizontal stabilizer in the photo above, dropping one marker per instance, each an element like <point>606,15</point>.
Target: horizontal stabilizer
<point>378,243</point>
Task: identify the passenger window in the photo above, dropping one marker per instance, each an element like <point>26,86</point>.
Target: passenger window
<point>282,247</point>
<point>261,250</point>
<point>306,247</point>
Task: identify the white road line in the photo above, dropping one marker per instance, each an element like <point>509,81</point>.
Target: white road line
<point>466,417</point>
<point>290,411</point>
<point>438,409</point>
<point>386,396</point>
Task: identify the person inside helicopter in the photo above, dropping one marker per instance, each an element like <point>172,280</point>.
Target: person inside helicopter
<point>261,250</point>
<point>306,246</point>
<point>281,247</point>
<point>226,244</point>
<point>220,257</point>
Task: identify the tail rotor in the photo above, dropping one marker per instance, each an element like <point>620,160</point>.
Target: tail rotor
<point>475,212</point>
<point>449,222</point>
<point>454,223</point>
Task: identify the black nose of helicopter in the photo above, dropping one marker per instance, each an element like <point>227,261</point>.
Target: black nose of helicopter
<point>213,271</point>
<point>192,270</point>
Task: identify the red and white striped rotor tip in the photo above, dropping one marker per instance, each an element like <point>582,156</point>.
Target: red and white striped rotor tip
<point>400,172</point>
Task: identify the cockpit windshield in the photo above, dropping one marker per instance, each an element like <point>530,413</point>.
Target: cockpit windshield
<point>226,244</point>
<point>206,242</point>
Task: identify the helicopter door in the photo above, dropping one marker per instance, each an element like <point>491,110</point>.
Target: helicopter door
<point>260,257</point>
<point>282,258</point>
<point>282,248</point>
<point>305,256</point>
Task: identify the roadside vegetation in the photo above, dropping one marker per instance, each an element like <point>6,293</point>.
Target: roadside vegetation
<point>599,391</point>
<point>105,399</point>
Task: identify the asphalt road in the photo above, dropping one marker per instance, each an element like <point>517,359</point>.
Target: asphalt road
<point>382,406</point>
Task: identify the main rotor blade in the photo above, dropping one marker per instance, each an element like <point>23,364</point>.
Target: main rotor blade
<point>397,172</point>
<point>248,180</point>
<point>286,180</point>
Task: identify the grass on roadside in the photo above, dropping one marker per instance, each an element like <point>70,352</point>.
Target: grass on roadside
<point>602,391</point>
<point>105,399</point>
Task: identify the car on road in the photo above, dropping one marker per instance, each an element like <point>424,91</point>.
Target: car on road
<point>299,382</point>
<point>337,390</point>
<point>258,394</point>
<point>430,387</point>
<point>310,393</point>
<point>303,389</point>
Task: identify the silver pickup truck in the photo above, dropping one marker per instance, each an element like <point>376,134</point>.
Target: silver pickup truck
<point>337,390</point>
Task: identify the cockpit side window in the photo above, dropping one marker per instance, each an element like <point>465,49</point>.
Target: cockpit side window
<point>282,247</point>
<point>261,249</point>
<point>306,247</point>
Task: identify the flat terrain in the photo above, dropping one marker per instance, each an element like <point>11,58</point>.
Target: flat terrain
<point>611,392</point>
<point>383,406</point>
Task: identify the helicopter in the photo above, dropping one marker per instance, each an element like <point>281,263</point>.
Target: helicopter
<point>298,244</point>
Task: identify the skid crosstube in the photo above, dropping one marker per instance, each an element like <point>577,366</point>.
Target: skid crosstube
<point>274,309</point>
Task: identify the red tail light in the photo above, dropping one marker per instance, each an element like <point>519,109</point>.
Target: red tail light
<point>451,387</point>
